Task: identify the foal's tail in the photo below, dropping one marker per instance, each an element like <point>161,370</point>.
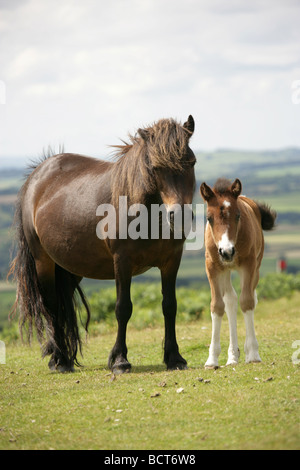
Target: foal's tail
<point>60,328</point>
<point>268,216</point>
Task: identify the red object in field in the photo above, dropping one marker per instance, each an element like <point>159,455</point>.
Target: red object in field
<point>282,265</point>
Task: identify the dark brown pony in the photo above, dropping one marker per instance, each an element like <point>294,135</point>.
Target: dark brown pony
<point>57,242</point>
<point>233,241</point>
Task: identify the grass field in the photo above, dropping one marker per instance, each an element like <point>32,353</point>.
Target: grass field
<point>253,406</point>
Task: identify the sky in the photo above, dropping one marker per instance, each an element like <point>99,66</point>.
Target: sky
<point>86,73</point>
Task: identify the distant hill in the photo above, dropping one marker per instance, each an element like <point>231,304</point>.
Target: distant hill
<point>272,176</point>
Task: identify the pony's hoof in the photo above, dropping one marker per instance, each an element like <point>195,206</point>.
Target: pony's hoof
<point>178,366</point>
<point>121,368</point>
<point>62,368</point>
<point>118,364</point>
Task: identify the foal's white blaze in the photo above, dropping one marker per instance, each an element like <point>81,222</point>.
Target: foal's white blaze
<point>226,203</point>
<point>225,244</point>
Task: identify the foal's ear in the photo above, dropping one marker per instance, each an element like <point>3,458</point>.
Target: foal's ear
<point>206,192</point>
<point>236,188</point>
<point>189,125</point>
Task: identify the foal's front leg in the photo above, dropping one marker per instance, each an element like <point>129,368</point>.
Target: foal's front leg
<point>217,308</point>
<point>117,361</point>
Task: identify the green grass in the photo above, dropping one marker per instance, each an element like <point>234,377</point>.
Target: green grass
<point>254,406</point>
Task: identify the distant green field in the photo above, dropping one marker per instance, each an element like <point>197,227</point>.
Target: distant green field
<point>264,177</point>
<point>289,202</point>
<point>8,183</point>
<point>237,163</point>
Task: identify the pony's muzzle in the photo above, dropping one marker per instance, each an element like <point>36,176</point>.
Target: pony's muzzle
<point>228,254</point>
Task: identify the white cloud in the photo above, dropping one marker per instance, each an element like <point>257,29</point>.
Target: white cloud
<point>87,72</point>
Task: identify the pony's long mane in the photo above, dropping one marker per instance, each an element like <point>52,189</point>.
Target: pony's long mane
<point>163,145</point>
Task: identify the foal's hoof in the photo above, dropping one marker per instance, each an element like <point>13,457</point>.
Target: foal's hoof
<point>212,367</point>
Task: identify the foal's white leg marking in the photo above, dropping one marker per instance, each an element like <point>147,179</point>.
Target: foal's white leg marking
<point>215,345</point>
<point>251,344</point>
<point>231,307</point>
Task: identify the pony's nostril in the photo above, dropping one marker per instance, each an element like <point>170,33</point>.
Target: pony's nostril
<point>232,251</point>
<point>220,251</point>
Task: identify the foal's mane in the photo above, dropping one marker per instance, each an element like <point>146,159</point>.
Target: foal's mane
<point>222,185</point>
<point>162,145</point>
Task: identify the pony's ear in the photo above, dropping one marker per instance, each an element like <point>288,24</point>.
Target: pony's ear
<point>206,192</point>
<point>236,188</point>
<point>144,133</point>
<point>189,125</point>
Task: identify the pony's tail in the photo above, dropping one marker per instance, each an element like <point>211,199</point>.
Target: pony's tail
<point>28,296</point>
<point>59,328</point>
<point>268,216</point>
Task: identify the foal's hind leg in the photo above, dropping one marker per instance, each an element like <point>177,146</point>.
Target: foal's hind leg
<point>248,301</point>
<point>231,307</point>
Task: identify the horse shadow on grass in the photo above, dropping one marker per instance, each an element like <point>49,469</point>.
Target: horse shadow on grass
<point>139,369</point>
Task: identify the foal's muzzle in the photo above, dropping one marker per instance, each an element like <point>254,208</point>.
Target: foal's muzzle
<point>227,255</point>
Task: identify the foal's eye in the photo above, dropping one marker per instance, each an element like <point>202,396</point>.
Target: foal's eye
<point>210,219</point>
<point>238,216</point>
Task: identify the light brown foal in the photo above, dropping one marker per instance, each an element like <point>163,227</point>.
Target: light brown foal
<point>233,241</point>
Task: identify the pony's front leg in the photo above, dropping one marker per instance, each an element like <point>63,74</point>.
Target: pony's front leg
<point>172,358</point>
<point>117,361</point>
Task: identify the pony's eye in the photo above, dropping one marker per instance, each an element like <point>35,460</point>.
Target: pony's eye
<point>190,164</point>
<point>238,216</point>
<point>210,219</point>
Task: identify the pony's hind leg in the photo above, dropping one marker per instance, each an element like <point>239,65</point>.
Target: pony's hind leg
<point>45,269</point>
<point>58,341</point>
